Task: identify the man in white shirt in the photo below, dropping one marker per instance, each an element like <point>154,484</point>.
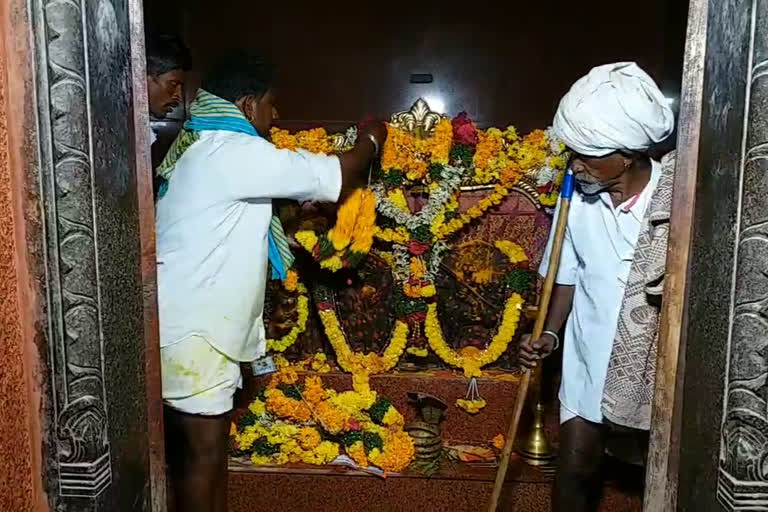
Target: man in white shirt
<point>608,120</point>
<point>214,222</point>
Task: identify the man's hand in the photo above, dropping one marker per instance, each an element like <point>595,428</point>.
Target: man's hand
<point>531,352</point>
<point>355,163</point>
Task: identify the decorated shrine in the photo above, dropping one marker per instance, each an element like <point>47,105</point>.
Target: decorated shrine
<point>394,336</point>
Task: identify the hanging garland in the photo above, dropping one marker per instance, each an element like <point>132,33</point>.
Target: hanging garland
<point>292,284</point>
<point>358,363</point>
<point>350,240</point>
<point>471,359</point>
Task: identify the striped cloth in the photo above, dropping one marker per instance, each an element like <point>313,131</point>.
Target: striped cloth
<point>278,249</point>
<point>209,112</point>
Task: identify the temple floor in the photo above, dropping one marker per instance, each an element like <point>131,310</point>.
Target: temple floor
<point>455,487</point>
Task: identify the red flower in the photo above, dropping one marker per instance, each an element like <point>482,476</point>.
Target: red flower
<point>365,122</point>
<point>323,306</point>
<point>353,424</point>
<point>417,248</point>
<point>415,318</point>
<point>464,131</point>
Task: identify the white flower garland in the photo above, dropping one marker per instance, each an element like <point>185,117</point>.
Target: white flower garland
<point>402,261</point>
<point>435,258</point>
<point>450,182</point>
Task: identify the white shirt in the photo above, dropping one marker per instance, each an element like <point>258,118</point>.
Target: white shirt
<point>152,136</point>
<point>212,227</point>
<point>597,255</point>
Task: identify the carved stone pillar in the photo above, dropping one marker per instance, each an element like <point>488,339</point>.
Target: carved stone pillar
<point>74,295</point>
<point>743,478</point>
<point>79,228</point>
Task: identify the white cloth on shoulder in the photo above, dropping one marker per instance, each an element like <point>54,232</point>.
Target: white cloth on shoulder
<point>615,106</point>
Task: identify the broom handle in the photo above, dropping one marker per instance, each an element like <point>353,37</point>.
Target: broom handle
<point>541,317</point>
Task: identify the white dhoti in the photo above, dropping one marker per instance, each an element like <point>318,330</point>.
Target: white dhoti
<point>197,378</point>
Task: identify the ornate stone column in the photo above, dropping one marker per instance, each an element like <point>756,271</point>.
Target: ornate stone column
<point>77,229</point>
<point>74,295</point>
<point>743,478</point>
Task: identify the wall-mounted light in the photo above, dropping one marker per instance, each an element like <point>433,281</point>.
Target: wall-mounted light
<point>435,102</point>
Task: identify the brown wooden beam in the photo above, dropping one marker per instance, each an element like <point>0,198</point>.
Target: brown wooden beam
<point>664,450</point>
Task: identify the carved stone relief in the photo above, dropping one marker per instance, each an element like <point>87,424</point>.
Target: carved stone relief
<point>74,302</point>
<point>743,478</point>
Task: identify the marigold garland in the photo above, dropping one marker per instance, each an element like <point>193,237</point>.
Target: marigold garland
<point>471,406</point>
<point>317,362</point>
<point>397,453</point>
<point>418,351</point>
<point>357,452</point>
<point>457,224</point>
<point>471,359</point>
<point>349,241</point>
<point>411,155</point>
<point>315,140</point>
<point>357,363</point>
<point>352,421</point>
<point>292,284</point>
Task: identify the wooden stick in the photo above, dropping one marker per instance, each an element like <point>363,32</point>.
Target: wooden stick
<point>541,317</point>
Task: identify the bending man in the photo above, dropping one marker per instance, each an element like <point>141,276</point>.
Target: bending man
<point>608,288</point>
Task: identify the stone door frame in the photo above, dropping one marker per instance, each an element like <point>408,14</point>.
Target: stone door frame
<point>54,308</point>
<point>709,436</point>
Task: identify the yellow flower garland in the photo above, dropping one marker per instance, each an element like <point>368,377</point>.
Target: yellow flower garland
<point>302,309</point>
<point>398,235</point>
<point>457,224</point>
<point>358,363</point>
<point>317,362</point>
<point>418,351</point>
<point>352,235</point>
<point>490,145</point>
<point>441,229</point>
<point>301,440</point>
<point>471,359</point>
<point>315,140</point>
<point>471,406</point>
<point>405,152</point>
<point>357,452</point>
<point>397,453</point>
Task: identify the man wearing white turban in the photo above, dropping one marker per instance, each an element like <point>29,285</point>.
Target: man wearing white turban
<point>609,284</point>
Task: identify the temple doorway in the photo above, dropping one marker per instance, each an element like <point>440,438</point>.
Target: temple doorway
<point>79,256</point>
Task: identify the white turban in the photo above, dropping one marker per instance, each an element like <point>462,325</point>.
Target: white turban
<point>615,107</point>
